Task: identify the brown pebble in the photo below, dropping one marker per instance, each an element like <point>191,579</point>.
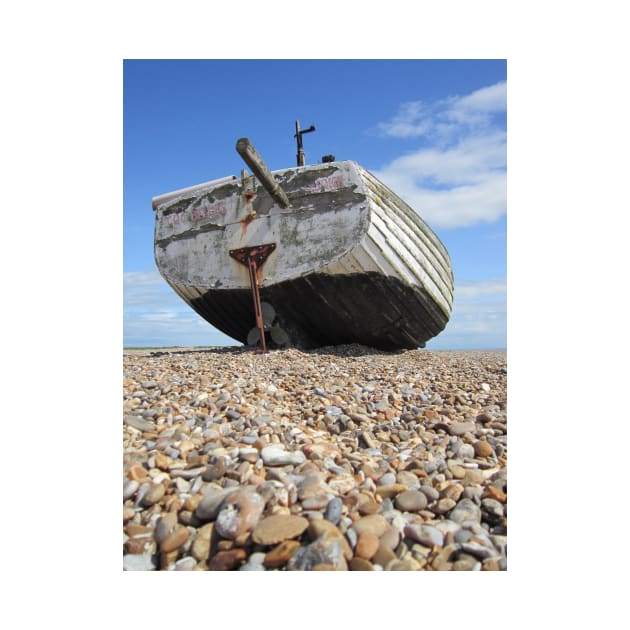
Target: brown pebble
<point>186,517</point>
<point>318,502</point>
<point>443,506</point>
<point>281,554</point>
<point>496,493</point>
<point>137,472</point>
<point>155,493</point>
<point>452,491</point>
<point>368,506</point>
<point>163,461</point>
<point>200,549</point>
<point>173,503</point>
<point>490,564</point>
<point>277,528</point>
<point>458,472</point>
<point>390,490</point>
<point>135,545</point>
<point>483,449</point>
<point>192,503</point>
<point>225,545</point>
<point>443,561</point>
<point>373,523</point>
<point>167,559</point>
<point>324,567</point>
<point>243,540</point>
<point>400,565</point>
<point>319,527</point>
<point>139,531</point>
<point>227,560</point>
<point>390,539</point>
<point>359,564</point>
<point>367,545</point>
<point>383,556</point>
<point>473,476</point>
<point>175,540</point>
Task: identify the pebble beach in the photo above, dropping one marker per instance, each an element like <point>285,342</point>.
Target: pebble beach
<point>340,459</point>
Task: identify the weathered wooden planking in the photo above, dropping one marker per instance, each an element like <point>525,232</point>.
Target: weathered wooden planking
<point>352,261</point>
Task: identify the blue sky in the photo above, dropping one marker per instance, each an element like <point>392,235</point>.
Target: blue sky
<point>434,130</point>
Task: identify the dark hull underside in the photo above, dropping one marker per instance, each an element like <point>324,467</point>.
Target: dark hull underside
<point>320,309</point>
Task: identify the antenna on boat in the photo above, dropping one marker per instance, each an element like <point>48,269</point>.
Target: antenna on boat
<point>298,135</point>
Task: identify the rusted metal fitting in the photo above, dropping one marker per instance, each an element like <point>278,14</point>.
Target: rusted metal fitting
<point>254,258</point>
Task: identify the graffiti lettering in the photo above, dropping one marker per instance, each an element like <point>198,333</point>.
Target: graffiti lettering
<point>208,211</point>
<point>326,184</point>
<point>204,211</point>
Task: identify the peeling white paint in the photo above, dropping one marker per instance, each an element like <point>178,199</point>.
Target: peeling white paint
<point>340,220</point>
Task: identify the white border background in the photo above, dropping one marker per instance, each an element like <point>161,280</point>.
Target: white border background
<point>567,342</point>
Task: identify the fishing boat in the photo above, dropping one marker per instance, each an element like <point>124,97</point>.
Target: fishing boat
<point>309,256</point>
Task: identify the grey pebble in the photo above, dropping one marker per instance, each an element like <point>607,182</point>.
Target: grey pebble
<point>464,450</point>
<point>139,423</point>
<point>254,562</point>
<point>333,510</point>
<point>459,428</point>
<point>210,504</point>
<point>387,505</point>
<point>430,492</point>
<point>411,501</point>
<point>446,525</point>
<point>492,506</point>
<point>185,564</point>
<point>139,562</point>
<point>351,535</point>
<point>275,455</point>
<point>387,479</point>
<point>424,534</point>
<point>473,493</point>
<point>465,510</point>
<point>321,551</point>
<point>130,487</point>
<point>409,479</point>
<point>478,550</point>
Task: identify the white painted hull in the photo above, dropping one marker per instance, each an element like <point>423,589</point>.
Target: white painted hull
<point>343,234</point>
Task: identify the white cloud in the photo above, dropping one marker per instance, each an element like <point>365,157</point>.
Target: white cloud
<point>454,187</point>
<point>467,290</point>
<point>147,290</point>
<point>460,179</point>
<point>444,117</point>
<point>154,315</point>
<point>476,321</point>
<point>410,121</point>
<point>142,278</point>
<point>475,108</point>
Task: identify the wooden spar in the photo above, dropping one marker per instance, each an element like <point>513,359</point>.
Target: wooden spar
<point>298,135</point>
<point>251,157</point>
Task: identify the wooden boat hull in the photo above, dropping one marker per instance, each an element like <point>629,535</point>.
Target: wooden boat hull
<point>352,262</point>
